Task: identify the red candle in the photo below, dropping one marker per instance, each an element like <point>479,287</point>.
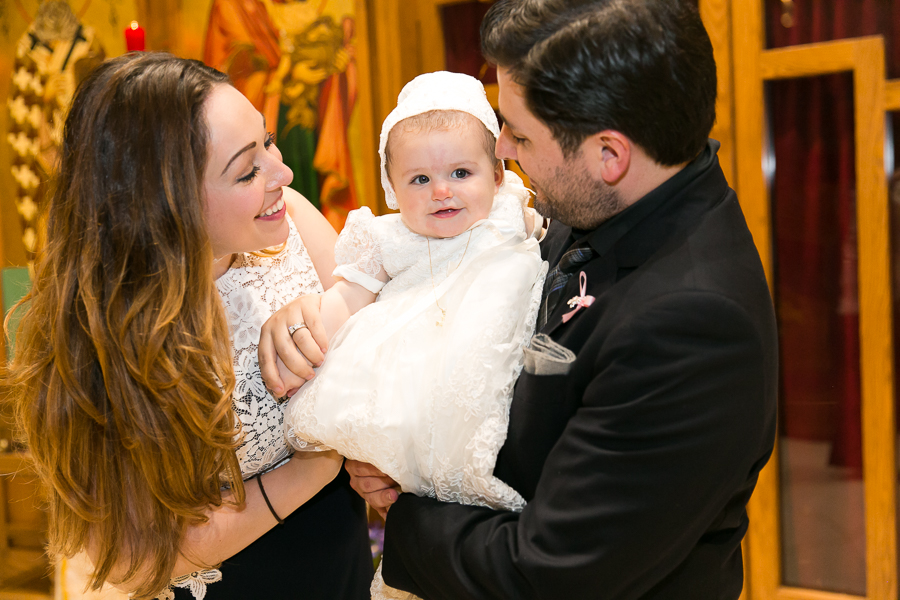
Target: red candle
<point>134,37</point>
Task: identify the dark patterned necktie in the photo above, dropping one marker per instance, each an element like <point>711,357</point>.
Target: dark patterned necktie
<point>571,261</point>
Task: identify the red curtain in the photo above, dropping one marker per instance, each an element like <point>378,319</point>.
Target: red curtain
<point>814,214</point>
<point>461,23</point>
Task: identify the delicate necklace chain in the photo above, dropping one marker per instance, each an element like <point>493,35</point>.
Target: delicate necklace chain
<point>230,256</point>
<point>440,323</point>
<point>215,264</point>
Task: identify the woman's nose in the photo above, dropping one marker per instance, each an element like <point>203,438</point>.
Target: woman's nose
<point>280,175</point>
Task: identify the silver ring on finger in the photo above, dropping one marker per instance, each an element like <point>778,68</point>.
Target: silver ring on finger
<point>296,327</point>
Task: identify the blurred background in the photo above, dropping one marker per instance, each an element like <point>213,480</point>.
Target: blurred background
<point>808,118</point>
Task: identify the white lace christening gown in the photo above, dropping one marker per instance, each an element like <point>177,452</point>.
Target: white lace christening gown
<point>251,291</point>
<point>424,401</point>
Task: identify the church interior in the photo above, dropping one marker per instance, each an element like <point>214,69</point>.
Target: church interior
<point>808,116</point>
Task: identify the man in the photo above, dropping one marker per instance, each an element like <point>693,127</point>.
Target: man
<point>638,456</point>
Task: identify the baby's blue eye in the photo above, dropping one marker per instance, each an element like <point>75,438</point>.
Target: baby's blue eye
<point>420,179</point>
<point>460,174</point>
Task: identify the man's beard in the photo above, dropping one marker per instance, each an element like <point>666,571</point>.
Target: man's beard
<point>576,200</point>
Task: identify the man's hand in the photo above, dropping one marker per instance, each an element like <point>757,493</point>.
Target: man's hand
<point>376,488</point>
<point>299,352</point>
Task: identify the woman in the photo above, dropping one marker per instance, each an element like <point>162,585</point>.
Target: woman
<point>142,423</point>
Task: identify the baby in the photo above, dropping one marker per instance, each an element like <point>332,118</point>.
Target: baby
<point>419,382</point>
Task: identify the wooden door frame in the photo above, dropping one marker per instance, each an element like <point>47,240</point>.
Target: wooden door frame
<point>873,97</point>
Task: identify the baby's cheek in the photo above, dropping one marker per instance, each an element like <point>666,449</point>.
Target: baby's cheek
<point>483,208</point>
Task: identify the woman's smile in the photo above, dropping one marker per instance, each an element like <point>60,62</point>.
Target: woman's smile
<point>275,211</point>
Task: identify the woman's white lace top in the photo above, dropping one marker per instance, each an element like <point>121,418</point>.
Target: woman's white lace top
<point>252,290</point>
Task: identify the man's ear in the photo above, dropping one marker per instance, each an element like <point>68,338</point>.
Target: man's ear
<point>608,153</point>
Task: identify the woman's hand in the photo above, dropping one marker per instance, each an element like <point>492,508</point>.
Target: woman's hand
<point>299,352</point>
<point>376,488</point>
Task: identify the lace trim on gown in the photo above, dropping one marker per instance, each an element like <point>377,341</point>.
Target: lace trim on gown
<point>357,252</point>
<point>356,245</point>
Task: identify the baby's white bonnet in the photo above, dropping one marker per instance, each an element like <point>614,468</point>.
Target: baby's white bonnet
<point>440,90</point>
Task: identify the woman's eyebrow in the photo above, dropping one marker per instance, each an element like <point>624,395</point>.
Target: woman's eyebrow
<point>249,146</point>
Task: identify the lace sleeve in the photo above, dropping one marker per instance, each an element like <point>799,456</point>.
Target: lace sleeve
<point>357,253</point>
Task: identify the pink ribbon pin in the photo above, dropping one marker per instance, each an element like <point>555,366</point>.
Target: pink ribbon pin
<point>580,301</point>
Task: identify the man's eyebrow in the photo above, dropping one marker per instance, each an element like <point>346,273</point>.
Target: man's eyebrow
<point>506,121</point>
<point>249,146</point>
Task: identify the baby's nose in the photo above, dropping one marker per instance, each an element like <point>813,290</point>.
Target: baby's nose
<point>441,190</point>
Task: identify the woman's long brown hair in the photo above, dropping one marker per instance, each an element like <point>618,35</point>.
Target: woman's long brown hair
<point>122,376</point>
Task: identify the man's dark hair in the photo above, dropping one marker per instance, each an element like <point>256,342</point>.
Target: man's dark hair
<point>644,68</point>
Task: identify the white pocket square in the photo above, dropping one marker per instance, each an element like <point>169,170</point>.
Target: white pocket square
<point>543,356</point>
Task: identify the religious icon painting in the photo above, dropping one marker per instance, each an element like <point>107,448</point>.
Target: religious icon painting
<point>296,62</point>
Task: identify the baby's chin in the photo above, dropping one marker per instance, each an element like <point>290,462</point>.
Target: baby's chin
<point>454,228</point>
<point>445,229</point>
<point>447,232</point>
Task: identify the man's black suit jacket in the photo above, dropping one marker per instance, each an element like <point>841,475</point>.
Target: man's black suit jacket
<point>637,465</point>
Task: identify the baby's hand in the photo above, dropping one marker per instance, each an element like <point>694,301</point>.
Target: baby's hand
<point>291,381</point>
<point>535,225</point>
